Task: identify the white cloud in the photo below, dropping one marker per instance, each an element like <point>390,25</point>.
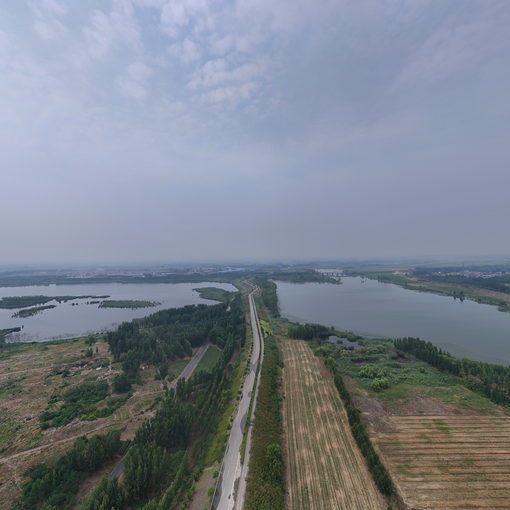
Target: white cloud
<point>134,82</point>
<point>187,51</point>
<point>107,32</point>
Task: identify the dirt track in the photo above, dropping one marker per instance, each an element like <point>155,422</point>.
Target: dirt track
<point>325,468</point>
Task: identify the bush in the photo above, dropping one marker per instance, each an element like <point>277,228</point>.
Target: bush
<point>379,384</point>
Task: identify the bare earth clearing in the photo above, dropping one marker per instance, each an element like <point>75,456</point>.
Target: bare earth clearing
<point>449,461</point>
<point>325,469</point>
<point>28,380</point>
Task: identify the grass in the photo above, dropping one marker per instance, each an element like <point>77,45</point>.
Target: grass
<point>209,359</point>
<point>176,367</point>
<point>7,433</point>
<point>265,484</point>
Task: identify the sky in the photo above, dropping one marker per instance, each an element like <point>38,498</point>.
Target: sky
<point>172,130</point>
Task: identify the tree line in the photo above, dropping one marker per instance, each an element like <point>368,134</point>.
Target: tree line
<point>169,335</point>
<point>379,472</point>
<point>167,452</point>
<point>269,295</point>
<point>265,484</point>
<point>489,379</point>
<point>53,485</point>
<point>309,331</point>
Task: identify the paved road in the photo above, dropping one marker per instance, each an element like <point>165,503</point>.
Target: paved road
<point>229,493</point>
<point>185,374</point>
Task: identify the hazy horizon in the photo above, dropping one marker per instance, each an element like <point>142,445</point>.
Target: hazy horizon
<point>491,259</point>
<point>172,130</point>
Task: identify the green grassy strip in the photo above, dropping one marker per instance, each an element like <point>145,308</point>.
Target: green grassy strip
<point>265,484</point>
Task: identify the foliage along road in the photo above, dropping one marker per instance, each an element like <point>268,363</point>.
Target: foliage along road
<point>231,484</point>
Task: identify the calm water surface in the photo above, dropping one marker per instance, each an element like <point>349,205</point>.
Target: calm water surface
<point>466,329</point>
<point>66,320</point>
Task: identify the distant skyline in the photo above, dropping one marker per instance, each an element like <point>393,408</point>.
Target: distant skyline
<point>252,130</point>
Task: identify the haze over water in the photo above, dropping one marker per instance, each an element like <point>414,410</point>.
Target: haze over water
<point>465,329</point>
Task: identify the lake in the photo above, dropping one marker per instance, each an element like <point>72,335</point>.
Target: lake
<point>68,320</point>
<point>371,308</point>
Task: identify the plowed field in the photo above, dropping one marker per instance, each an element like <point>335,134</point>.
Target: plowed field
<point>449,462</point>
<point>325,469</point>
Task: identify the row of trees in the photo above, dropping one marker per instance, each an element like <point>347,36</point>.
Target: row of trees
<point>491,380</point>
<point>309,331</point>
<point>269,295</point>
<point>379,473</point>
<point>265,485</point>
<point>54,485</point>
<point>167,449</point>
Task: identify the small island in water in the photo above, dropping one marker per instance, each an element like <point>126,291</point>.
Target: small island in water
<point>127,303</point>
<point>28,312</point>
<point>214,294</point>
<point>25,301</point>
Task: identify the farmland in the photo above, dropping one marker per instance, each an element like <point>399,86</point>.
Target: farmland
<point>449,461</point>
<point>445,446</point>
<point>324,466</point>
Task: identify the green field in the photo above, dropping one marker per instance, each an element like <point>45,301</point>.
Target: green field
<point>210,358</point>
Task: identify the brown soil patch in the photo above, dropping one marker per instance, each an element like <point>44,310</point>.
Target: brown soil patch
<point>449,461</point>
<point>325,468</point>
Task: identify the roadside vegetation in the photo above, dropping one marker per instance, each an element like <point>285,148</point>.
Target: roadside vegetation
<point>269,295</point>
<point>265,484</point>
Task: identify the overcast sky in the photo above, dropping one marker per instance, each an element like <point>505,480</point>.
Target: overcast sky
<point>166,130</point>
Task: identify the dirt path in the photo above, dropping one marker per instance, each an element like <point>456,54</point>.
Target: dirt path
<point>32,451</point>
<point>325,468</point>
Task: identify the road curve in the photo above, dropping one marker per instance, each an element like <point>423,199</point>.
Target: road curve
<point>229,492</point>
